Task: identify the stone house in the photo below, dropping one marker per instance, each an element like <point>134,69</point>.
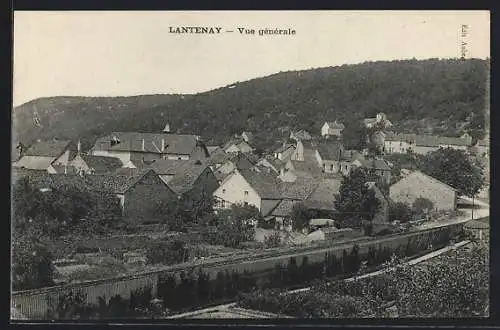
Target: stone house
<point>134,146</point>
<point>237,144</point>
<point>380,120</point>
<point>329,155</point>
<point>419,185</point>
<point>95,164</point>
<point>377,166</point>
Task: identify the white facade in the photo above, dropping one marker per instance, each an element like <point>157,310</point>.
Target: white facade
<point>324,129</point>
<point>63,159</point>
<point>236,190</point>
<point>396,147</point>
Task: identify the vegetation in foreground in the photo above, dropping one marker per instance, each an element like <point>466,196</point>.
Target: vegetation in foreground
<point>452,285</point>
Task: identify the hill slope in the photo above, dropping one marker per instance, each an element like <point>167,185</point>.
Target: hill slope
<point>433,94</point>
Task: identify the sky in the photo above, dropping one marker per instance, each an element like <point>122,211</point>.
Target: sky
<point>110,53</point>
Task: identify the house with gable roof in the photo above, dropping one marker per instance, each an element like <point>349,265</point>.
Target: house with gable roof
<point>332,129</point>
<point>249,187</point>
<point>42,155</point>
<point>419,185</point>
<point>300,135</point>
<point>95,164</point>
<point>136,146</point>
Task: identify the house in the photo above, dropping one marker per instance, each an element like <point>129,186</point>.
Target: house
<point>191,179</point>
<point>332,129</point>
<point>247,136</point>
<point>422,144</point>
<point>42,154</point>
<point>271,163</point>
<point>329,155</point>
<point>134,146</point>
<point>231,162</point>
<point>419,185</point>
<point>95,164</point>
<point>300,135</point>
<point>379,121</point>
<point>63,169</point>
<point>249,187</point>
<point>142,194</point>
<point>237,144</point>
<point>284,152</point>
<point>377,166</point>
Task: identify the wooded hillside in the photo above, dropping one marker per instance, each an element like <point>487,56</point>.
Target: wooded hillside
<point>439,96</point>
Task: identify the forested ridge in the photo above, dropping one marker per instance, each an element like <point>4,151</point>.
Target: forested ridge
<point>436,96</point>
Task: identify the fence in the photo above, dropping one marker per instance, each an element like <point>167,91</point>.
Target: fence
<point>35,304</point>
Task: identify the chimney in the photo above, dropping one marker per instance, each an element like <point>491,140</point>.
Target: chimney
<point>79,147</point>
<point>143,149</point>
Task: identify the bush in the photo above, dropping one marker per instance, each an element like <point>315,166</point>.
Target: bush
<point>166,252</point>
<point>422,206</point>
<point>273,240</point>
<point>31,265</point>
<point>400,212</point>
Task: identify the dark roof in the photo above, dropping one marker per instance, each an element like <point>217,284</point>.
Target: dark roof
<point>300,189</point>
<point>117,183</point>
<point>184,172</point>
<point>330,150</point>
<point>284,208</point>
<point>219,156</point>
<point>62,169</point>
<point>102,164</point>
<point>323,197</point>
<point>51,148</point>
<point>335,125</point>
<point>307,168</point>
<point>186,176</point>
<point>179,144</point>
<point>266,185</point>
<point>375,163</point>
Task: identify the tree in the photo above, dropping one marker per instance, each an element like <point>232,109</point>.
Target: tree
<point>166,252</point>
<point>356,202</point>
<point>422,206</point>
<point>233,227</point>
<point>354,135</point>
<point>400,212</point>
<point>454,168</point>
<point>300,216</point>
<point>31,264</point>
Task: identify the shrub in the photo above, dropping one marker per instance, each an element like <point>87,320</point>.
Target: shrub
<point>166,252</point>
<point>400,212</point>
<point>31,265</point>
<point>273,240</point>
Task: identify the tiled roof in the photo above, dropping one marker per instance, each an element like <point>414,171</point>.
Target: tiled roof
<point>284,208</point>
<point>308,168</point>
<point>300,189</point>
<point>102,164</point>
<point>62,169</point>
<point>266,185</point>
<point>376,164</point>
<point>335,125</point>
<point>52,148</point>
<point>184,173</point>
<point>351,155</point>
<point>323,197</point>
<point>330,150</point>
<point>219,156</point>
<point>114,182</point>
<point>34,162</point>
<point>179,144</point>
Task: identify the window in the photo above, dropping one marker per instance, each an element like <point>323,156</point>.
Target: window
<point>179,158</point>
<point>331,167</point>
<point>223,191</point>
<point>223,203</point>
<point>246,193</point>
<point>246,203</point>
